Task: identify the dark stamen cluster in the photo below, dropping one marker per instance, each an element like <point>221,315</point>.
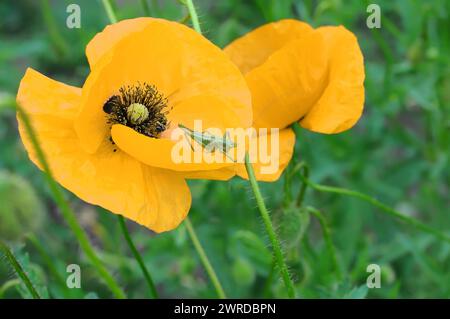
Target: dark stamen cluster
<point>145,94</point>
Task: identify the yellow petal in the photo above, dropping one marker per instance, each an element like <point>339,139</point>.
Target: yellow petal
<point>268,168</point>
<point>293,75</point>
<point>162,152</point>
<point>51,106</point>
<point>253,49</point>
<point>104,41</point>
<point>289,82</point>
<point>61,100</point>
<point>221,174</point>
<point>269,153</point>
<point>155,198</point>
<point>341,104</point>
<point>213,112</point>
<point>179,61</point>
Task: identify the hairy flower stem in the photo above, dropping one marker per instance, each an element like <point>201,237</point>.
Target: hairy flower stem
<point>204,259</point>
<point>193,14</point>
<point>384,208</point>
<point>19,270</point>
<point>138,257</point>
<point>66,211</point>
<point>276,246</point>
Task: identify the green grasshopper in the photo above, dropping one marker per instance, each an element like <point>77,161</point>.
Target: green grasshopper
<point>209,141</point>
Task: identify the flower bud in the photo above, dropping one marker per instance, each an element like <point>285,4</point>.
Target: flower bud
<point>21,210</point>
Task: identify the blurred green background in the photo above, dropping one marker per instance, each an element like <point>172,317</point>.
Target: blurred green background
<point>398,153</point>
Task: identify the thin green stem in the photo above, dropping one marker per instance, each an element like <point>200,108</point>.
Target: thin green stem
<point>290,173</point>
<point>138,257</point>
<point>327,236</point>
<point>201,252</point>
<point>276,246</point>
<point>113,19</point>
<point>19,270</point>
<point>109,11</point>
<point>287,198</point>
<point>204,259</point>
<point>67,212</point>
<point>55,35</point>
<point>384,208</point>
<point>146,8</point>
<point>47,259</point>
<point>302,166</point>
<point>194,17</point>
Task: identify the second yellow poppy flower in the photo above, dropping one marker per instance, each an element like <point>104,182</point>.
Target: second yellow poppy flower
<point>299,74</point>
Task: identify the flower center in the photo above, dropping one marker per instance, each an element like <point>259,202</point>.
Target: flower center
<point>137,113</point>
<point>140,107</point>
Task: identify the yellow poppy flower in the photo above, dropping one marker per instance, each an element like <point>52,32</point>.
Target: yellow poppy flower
<point>109,142</point>
<point>297,73</point>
